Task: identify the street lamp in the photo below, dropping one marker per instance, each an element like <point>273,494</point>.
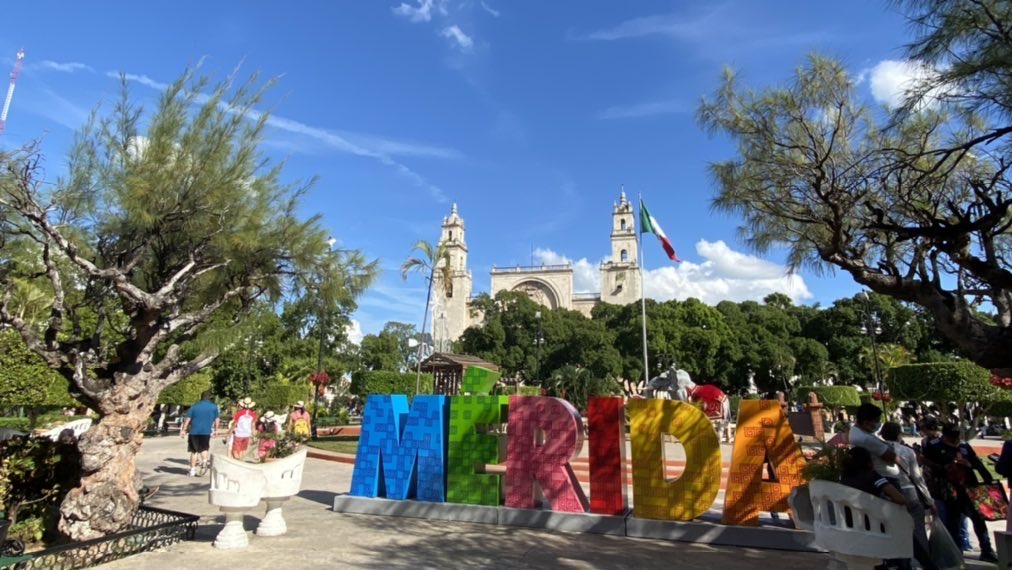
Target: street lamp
<point>872,327</point>
<point>539,339</point>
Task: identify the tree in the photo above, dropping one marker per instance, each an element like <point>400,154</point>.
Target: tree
<point>148,247</point>
<point>914,206</point>
<point>403,332</point>
<point>430,260</point>
<point>381,352</point>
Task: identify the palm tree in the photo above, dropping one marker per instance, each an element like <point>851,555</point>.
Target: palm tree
<point>430,259</point>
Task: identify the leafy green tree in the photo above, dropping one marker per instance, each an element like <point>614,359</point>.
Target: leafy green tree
<point>403,332</point>
<point>149,246</point>
<point>577,385</point>
<point>914,206</point>
<point>187,391</point>
<point>382,352</point>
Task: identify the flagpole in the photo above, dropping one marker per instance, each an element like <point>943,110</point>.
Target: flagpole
<point>643,297</point>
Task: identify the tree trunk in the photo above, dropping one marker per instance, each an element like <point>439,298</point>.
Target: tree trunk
<point>107,497</point>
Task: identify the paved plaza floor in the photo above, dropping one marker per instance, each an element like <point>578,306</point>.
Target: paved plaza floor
<point>318,537</point>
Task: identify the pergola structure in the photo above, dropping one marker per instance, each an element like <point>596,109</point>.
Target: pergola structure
<point>448,369</point>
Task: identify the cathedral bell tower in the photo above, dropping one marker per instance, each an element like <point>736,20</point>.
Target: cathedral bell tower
<point>450,313</point>
<point>620,277</point>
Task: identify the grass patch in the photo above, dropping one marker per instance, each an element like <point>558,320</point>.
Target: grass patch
<point>339,445</point>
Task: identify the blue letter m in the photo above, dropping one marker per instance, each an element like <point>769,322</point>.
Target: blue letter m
<point>398,450</point>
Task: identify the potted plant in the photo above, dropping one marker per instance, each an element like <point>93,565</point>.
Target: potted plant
<point>237,486</point>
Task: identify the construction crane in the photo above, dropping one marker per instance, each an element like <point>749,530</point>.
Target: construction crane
<point>10,90</point>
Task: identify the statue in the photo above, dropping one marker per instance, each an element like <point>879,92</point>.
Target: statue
<point>677,384</point>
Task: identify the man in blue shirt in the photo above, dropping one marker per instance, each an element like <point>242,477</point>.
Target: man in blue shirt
<point>200,424</point>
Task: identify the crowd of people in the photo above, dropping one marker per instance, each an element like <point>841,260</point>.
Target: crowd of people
<point>934,478</point>
<point>202,423</point>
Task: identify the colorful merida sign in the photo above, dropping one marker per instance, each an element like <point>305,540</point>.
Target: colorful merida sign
<point>438,451</point>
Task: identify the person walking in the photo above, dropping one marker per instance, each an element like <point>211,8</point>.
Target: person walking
<point>913,486</point>
<point>241,432</point>
<point>200,424</point>
<point>301,422</point>
<point>955,458</point>
<point>267,429</point>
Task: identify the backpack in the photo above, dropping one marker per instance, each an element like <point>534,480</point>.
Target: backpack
<point>300,427</point>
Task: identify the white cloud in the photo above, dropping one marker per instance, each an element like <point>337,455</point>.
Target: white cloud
<point>892,82</point>
<point>646,109</point>
<point>354,332</point>
<point>381,150</point>
<point>422,12</point>
<point>65,67</point>
<point>725,275</point>
<point>660,24</point>
<point>586,275</point>
<point>458,37</point>
<point>495,13</point>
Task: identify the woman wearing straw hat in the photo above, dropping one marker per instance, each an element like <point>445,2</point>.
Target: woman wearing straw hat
<point>267,425</point>
<point>241,432</point>
<point>300,421</point>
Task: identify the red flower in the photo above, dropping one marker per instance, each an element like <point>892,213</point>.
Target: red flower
<point>319,378</point>
<point>1001,382</point>
<point>884,397</point>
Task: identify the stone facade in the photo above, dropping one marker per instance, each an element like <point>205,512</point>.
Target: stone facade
<point>548,285</point>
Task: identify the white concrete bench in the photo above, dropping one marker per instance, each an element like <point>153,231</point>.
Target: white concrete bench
<point>875,530</point>
<point>237,486</point>
<point>77,426</point>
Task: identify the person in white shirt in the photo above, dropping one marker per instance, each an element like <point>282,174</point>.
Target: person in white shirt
<point>912,484</point>
<point>862,434</point>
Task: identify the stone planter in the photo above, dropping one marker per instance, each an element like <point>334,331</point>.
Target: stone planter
<point>237,486</point>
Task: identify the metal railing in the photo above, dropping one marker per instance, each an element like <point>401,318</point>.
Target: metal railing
<point>150,529</point>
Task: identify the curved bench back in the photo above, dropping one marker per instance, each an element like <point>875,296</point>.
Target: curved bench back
<point>855,523</point>
<point>235,483</point>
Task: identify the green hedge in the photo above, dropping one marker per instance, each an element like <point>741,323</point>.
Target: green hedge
<point>385,382</point>
<point>20,424</point>
<point>279,397</point>
<point>833,396</point>
<point>940,382</point>
<point>187,391</point>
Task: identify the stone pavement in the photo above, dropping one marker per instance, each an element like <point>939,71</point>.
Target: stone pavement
<point>318,537</point>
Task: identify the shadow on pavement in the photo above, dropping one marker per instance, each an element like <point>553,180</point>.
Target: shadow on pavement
<point>322,497</point>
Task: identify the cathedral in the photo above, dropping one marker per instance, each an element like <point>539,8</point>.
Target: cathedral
<point>548,285</point>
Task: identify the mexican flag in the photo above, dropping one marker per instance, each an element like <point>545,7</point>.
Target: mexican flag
<point>649,225</point>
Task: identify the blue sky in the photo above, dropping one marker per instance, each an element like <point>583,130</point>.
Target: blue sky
<point>529,115</point>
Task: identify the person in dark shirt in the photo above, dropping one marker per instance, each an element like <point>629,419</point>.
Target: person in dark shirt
<point>859,473</point>
<point>959,463</point>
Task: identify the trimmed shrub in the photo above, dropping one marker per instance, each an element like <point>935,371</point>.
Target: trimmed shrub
<point>940,382</point>
<point>19,424</point>
<point>833,396</point>
<point>279,397</point>
<point>1000,404</point>
<point>386,382</point>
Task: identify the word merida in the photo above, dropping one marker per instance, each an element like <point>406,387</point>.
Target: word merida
<point>442,450</point>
